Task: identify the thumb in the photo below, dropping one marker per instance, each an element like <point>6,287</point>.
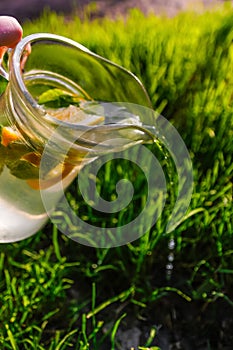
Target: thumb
<point>10,33</point>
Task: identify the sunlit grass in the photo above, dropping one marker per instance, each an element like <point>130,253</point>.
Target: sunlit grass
<point>57,294</point>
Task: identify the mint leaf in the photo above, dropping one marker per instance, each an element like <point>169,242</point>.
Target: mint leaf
<point>15,151</point>
<point>22,169</point>
<point>57,98</point>
<point>11,157</point>
<point>3,84</point>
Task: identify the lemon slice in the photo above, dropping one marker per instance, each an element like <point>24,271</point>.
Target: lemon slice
<point>54,176</point>
<point>75,115</point>
<point>9,135</point>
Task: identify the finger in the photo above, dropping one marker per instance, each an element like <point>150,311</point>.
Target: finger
<point>10,31</point>
<point>3,49</point>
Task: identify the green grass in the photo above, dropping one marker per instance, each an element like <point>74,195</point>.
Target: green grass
<point>56,294</point>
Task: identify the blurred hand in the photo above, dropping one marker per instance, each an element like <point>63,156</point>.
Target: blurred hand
<point>10,33</point>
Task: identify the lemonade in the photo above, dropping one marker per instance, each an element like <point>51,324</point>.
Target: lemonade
<point>21,207</point>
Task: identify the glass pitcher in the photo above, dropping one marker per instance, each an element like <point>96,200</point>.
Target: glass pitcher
<point>54,85</point>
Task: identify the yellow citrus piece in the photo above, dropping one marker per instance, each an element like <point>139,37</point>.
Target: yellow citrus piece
<point>32,158</point>
<point>9,135</point>
<point>61,171</point>
<point>34,184</point>
<point>75,115</point>
<point>71,114</point>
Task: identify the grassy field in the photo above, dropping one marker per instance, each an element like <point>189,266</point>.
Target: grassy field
<point>171,289</point>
